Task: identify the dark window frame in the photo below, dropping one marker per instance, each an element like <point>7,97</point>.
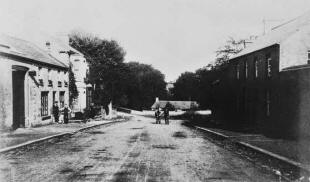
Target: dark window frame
<point>308,56</point>
<point>44,103</point>
<point>62,98</point>
<point>238,71</point>
<point>246,69</point>
<point>268,66</point>
<point>268,103</point>
<point>255,65</point>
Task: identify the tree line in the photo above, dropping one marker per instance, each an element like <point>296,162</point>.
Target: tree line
<point>197,85</point>
<point>126,84</point>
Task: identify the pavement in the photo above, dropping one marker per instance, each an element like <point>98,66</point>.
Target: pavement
<point>292,152</point>
<point>137,150</point>
<point>23,136</point>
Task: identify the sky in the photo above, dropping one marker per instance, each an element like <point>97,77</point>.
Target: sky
<point>172,35</point>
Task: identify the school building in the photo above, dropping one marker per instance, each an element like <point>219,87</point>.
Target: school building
<point>267,85</point>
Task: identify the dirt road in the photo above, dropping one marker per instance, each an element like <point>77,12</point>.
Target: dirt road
<point>137,150</point>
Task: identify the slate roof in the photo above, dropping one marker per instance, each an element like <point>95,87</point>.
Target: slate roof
<point>182,105</point>
<point>28,50</point>
<point>277,35</point>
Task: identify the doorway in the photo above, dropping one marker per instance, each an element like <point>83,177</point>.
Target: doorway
<point>18,82</point>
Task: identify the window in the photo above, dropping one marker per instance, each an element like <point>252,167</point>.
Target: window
<point>44,103</point>
<point>39,71</point>
<point>238,71</point>
<point>255,67</point>
<point>268,65</point>
<point>62,99</point>
<point>308,56</point>
<point>267,103</point>
<point>88,97</point>
<point>246,69</point>
<point>49,72</point>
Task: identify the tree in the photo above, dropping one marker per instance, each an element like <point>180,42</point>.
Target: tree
<point>145,84</point>
<point>198,85</point>
<point>73,92</point>
<point>107,69</point>
<point>232,47</point>
<point>186,87</point>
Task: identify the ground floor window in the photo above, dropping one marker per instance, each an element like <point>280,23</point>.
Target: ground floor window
<point>62,99</point>
<point>267,103</point>
<point>308,56</point>
<point>44,103</point>
<point>88,97</point>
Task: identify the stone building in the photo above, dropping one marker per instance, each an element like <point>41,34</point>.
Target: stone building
<point>58,47</point>
<point>267,85</point>
<point>31,81</point>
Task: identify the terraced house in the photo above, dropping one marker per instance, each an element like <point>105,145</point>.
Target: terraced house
<point>267,85</point>
<point>31,81</point>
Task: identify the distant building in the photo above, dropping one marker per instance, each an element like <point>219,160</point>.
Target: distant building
<point>267,85</point>
<point>176,105</point>
<point>169,85</point>
<point>31,81</point>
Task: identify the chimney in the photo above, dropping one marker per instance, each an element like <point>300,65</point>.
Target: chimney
<point>48,46</point>
<point>156,99</point>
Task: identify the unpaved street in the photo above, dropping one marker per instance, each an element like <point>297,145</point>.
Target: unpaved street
<point>137,150</point>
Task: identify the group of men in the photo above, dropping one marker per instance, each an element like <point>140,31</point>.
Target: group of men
<point>63,111</point>
<point>158,114</point>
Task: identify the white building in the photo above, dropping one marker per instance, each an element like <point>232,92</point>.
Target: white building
<point>58,47</point>
<point>31,81</point>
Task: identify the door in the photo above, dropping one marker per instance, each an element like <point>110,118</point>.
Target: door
<point>54,97</point>
<point>18,80</point>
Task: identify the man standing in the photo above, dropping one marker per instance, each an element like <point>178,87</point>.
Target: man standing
<point>66,110</point>
<point>166,115</point>
<point>56,112</point>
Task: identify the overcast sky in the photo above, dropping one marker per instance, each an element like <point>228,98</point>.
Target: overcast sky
<point>172,35</point>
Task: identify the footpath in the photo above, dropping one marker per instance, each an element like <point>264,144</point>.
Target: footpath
<point>294,154</point>
<point>20,137</point>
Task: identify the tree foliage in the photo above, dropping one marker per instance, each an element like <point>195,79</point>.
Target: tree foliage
<point>186,87</point>
<point>198,85</point>
<point>132,85</point>
<point>107,69</point>
<point>73,92</point>
<point>232,47</point>
<point>146,83</point>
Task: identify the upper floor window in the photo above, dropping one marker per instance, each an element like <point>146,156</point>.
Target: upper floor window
<point>268,65</point>
<point>49,74</point>
<point>246,69</point>
<point>308,56</point>
<point>238,71</point>
<point>255,67</point>
<point>76,60</point>
<point>39,71</point>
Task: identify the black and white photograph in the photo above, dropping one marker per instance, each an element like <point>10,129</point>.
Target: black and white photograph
<point>155,90</point>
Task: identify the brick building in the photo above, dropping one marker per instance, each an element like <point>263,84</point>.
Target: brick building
<point>31,80</point>
<point>267,85</point>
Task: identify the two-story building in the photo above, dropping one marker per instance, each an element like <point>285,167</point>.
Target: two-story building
<point>267,85</point>
<point>58,46</point>
<point>31,81</point>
